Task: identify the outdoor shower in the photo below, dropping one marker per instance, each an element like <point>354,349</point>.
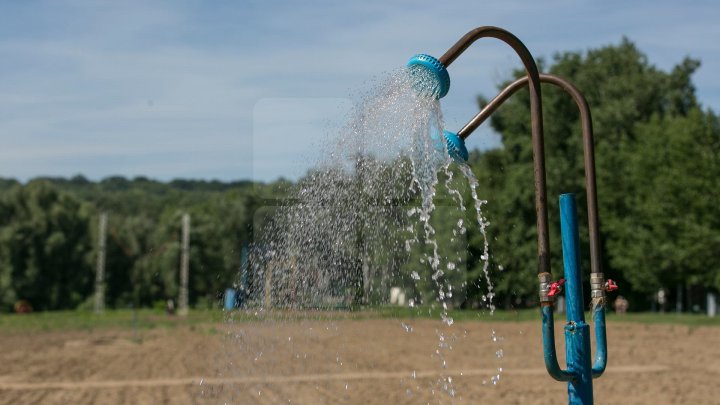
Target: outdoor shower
<point>432,77</point>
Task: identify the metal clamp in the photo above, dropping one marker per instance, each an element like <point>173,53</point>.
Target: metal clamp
<point>597,285</point>
<point>545,281</point>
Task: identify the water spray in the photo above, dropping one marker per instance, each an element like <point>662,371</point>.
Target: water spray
<point>431,77</point>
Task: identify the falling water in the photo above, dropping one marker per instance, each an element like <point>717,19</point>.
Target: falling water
<point>343,223</point>
<point>483,223</point>
<point>354,221</point>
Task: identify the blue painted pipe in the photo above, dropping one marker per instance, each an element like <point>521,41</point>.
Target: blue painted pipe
<point>577,332</point>
<point>548,332</point>
<point>600,342</point>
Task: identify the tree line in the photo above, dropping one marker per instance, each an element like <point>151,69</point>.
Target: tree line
<point>658,166</point>
<point>48,238</point>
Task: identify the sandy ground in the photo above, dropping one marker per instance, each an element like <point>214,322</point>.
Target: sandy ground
<point>385,361</point>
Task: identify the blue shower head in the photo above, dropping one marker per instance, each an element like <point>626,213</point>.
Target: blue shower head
<point>432,78</point>
<point>430,75</point>
<point>456,147</point>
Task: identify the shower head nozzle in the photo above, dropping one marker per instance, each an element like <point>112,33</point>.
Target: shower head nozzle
<point>456,147</point>
<point>430,75</point>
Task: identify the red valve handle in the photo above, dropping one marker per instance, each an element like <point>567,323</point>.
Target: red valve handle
<point>611,286</point>
<point>556,288</point>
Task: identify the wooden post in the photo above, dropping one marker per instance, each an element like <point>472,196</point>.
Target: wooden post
<point>184,266</point>
<point>100,265</point>
<point>268,284</point>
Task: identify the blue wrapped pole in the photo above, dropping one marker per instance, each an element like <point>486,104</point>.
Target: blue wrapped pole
<point>577,332</point>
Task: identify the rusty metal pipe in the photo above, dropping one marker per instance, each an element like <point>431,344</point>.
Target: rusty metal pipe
<point>536,122</point>
<point>588,153</point>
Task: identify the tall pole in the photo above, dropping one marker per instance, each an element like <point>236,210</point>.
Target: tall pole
<point>184,266</point>
<point>362,279</point>
<point>268,285</point>
<point>577,332</point>
<point>100,265</point>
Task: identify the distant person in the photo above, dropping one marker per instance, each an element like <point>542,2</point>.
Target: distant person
<point>621,305</point>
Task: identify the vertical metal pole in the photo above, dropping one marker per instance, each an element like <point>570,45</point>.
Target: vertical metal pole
<point>711,304</point>
<point>100,265</point>
<point>577,332</point>
<point>268,285</point>
<point>184,266</point>
<point>244,273</point>
<point>362,279</point>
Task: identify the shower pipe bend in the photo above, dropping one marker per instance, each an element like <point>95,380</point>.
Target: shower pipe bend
<point>536,123</point>
<point>588,150</point>
<point>598,291</point>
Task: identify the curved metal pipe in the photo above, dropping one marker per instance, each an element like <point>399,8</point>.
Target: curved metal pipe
<point>597,277</point>
<point>600,361</point>
<point>536,122</point>
<point>588,150</point>
<point>549,352</point>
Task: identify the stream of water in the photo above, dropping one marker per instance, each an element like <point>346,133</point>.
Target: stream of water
<point>362,224</point>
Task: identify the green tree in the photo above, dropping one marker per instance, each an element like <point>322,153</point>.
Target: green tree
<point>44,247</point>
<point>626,94</point>
<point>671,232</point>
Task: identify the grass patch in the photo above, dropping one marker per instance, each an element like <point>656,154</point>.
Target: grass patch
<point>85,320</point>
<point>667,318</point>
<point>384,312</point>
<point>458,315</point>
<point>149,318</point>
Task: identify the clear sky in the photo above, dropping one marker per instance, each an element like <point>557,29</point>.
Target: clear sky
<point>244,89</point>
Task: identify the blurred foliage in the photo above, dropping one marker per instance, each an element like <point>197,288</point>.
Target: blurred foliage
<point>48,239</point>
<point>45,248</point>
